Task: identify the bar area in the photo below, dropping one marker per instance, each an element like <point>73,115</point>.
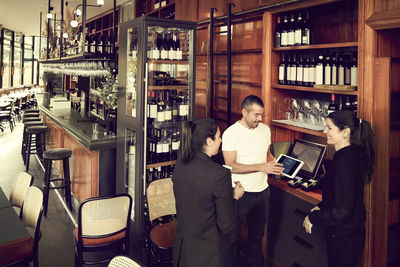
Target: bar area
<point>101,99</point>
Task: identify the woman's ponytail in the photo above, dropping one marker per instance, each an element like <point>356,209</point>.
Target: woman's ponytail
<point>185,149</point>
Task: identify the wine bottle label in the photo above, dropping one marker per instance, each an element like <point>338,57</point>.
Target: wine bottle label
<point>168,115</point>
<point>328,75</point>
<point>175,145</point>
<point>153,111</point>
<point>159,148</point>
<point>288,73</point>
<point>284,39</point>
<point>182,110</point>
<point>299,75</point>
<point>306,75</point>
<point>281,73</point>
<point>160,116</point>
<point>155,54</point>
<point>306,37</point>
<point>341,76</point>
<point>165,147</point>
<point>319,71</point>
<point>354,74</point>
<point>293,74</point>
<point>291,38</point>
<point>297,37</point>
<point>347,76</point>
<point>172,54</point>
<point>311,75</point>
<point>164,54</point>
<point>178,55</point>
<point>334,75</point>
<point>134,54</point>
<point>175,112</point>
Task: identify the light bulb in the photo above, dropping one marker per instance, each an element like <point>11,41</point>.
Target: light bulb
<point>73,23</point>
<point>65,35</point>
<point>78,12</point>
<point>49,16</point>
<point>100,2</point>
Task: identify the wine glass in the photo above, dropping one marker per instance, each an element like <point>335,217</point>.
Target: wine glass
<point>295,106</point>
<point>289,114</point>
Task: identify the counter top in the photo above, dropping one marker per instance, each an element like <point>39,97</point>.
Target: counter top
<point>80,127</point>
<point>313,197</point>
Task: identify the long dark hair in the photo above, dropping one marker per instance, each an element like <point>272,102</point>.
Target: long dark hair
<point>361,135</point>
<point>194,137</point>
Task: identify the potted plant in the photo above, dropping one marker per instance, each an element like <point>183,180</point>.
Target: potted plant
<point>109,97</point>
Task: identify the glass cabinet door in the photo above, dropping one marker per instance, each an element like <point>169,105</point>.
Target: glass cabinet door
<point>132,72</point>
<point>130,158</point>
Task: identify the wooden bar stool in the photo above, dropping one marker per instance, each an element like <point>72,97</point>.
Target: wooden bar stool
<point>24,136</point>
<point>27,111</point>
<point>48,156</point>
<point>37,134</point>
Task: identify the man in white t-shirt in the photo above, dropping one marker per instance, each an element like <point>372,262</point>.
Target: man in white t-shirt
<point>245,146</point>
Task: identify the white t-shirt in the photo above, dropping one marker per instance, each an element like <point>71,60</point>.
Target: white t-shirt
<point>251,146</point>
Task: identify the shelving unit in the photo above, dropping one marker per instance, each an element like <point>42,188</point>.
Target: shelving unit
<point>146,7</point>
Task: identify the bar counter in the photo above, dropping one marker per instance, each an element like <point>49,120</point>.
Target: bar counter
<point>92,164</point>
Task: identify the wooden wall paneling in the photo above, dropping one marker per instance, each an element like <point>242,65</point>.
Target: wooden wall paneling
<point>389,43</point>
<point>84,169</point>
<point>247,36</point>
<point>186,10</point>
<point>205,5</point>
<point>202,40</point>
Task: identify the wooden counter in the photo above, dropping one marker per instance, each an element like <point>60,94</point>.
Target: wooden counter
<point>92,162</point>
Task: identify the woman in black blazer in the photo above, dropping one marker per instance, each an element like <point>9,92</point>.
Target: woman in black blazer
<point>342,213</point>
<point>204,197</point>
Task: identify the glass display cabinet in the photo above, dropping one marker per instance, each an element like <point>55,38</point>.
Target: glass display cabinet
<point>156,85</point>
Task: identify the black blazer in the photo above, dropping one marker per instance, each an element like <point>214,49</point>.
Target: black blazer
<point>206,214</point>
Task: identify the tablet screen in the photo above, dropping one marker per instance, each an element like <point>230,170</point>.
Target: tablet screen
<point>290,165</point>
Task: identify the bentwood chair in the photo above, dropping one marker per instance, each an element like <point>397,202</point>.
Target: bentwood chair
<point>103,227</point>
<point>162,211</point>
<point>22,183</point>
<point>31,216</point>
<point>122,261</point>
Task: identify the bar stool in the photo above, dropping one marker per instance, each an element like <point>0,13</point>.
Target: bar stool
<point>26,119</point>
<point>31,110</point>
<point>56,154</point>
<point>24,136</point>
<point>32,114</point>
<point>39,145</point>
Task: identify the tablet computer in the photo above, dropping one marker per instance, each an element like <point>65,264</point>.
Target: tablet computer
<point>291,165</point>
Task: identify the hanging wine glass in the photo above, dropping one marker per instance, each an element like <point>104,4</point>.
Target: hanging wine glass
<point>295,106</point>
<point>289,114</point>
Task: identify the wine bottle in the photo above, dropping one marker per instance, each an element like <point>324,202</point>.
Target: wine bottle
<point>347,71</point>
<point>156,4</point>
<point>334,70</point>
<point>299,70</point>
<point>288,69</point>
<point>165,145</point>
<point>282,70</point>
<point>306,30</point>
<point>327,70</point>
<point>291,30</point>
<point>164,46</point>
<point>298,30</point>
<point>354,71</point>
<point>93,43</point>
<point>171,44</point>
<point>306,70</point>
<point>311,70</point>
<point>319,70</point>
<point>347,104</point>
<point>175,106</point>
<point>175,143</point>
<point>168,106</point>
<point>332,106</point>
<point>178,51</point>
<point>153,107</point>
<point>284,32</point>
<point>340,103</point>
<point>340,70</point>
<point>87,41</point>
<point>160,107</point>
<point>277,39</point>
<point>182,107</point>
<point>293,70</point>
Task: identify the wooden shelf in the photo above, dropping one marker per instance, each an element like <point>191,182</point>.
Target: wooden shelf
<point>160,164</point>
<point>316,46</point>
<point>154,11</point>
<point>162,61</point>
<point>297,129</point>
<point>177,87</point>
<point>312,89</point>
<point>244,51</point>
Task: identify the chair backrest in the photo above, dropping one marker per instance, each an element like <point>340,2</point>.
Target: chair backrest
<point>103,216</point>
<point>23,181</point>
<point>32,211</point>
<point>122,261</point>
<point>160,198</point>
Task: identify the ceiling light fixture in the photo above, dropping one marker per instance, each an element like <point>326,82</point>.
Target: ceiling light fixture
<point>78,12</point>
<point>65,35</point>
<point>73,23</point>
<point>100,2</point>
<point>49,16</point>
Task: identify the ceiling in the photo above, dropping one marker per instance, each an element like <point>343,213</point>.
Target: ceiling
<point>24,15</point>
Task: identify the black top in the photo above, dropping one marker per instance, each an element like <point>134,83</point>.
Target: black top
<point>206,213</point>
<point>342,205</point>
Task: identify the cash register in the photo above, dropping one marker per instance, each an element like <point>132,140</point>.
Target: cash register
<point>312,155</point>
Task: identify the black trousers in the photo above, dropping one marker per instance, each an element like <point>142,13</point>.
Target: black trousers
<point>345,247</point>
<point>255,208</point>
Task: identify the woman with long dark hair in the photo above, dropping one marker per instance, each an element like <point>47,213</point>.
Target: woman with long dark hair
<point>204,197</point>
<point>342,212</point>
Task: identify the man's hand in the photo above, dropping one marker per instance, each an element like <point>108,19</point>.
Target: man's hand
<point>238,191</point>
<point>272,167</point>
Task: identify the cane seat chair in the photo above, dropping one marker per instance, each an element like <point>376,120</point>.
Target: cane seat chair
<point>163,224</point>
<point>31,216</point>
<point>122,261</point>
<point>103,226</point>
<point>23,181</point>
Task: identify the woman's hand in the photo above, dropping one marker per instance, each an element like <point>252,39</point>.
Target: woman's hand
<point>307,225</point>
<point>238,191</point>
